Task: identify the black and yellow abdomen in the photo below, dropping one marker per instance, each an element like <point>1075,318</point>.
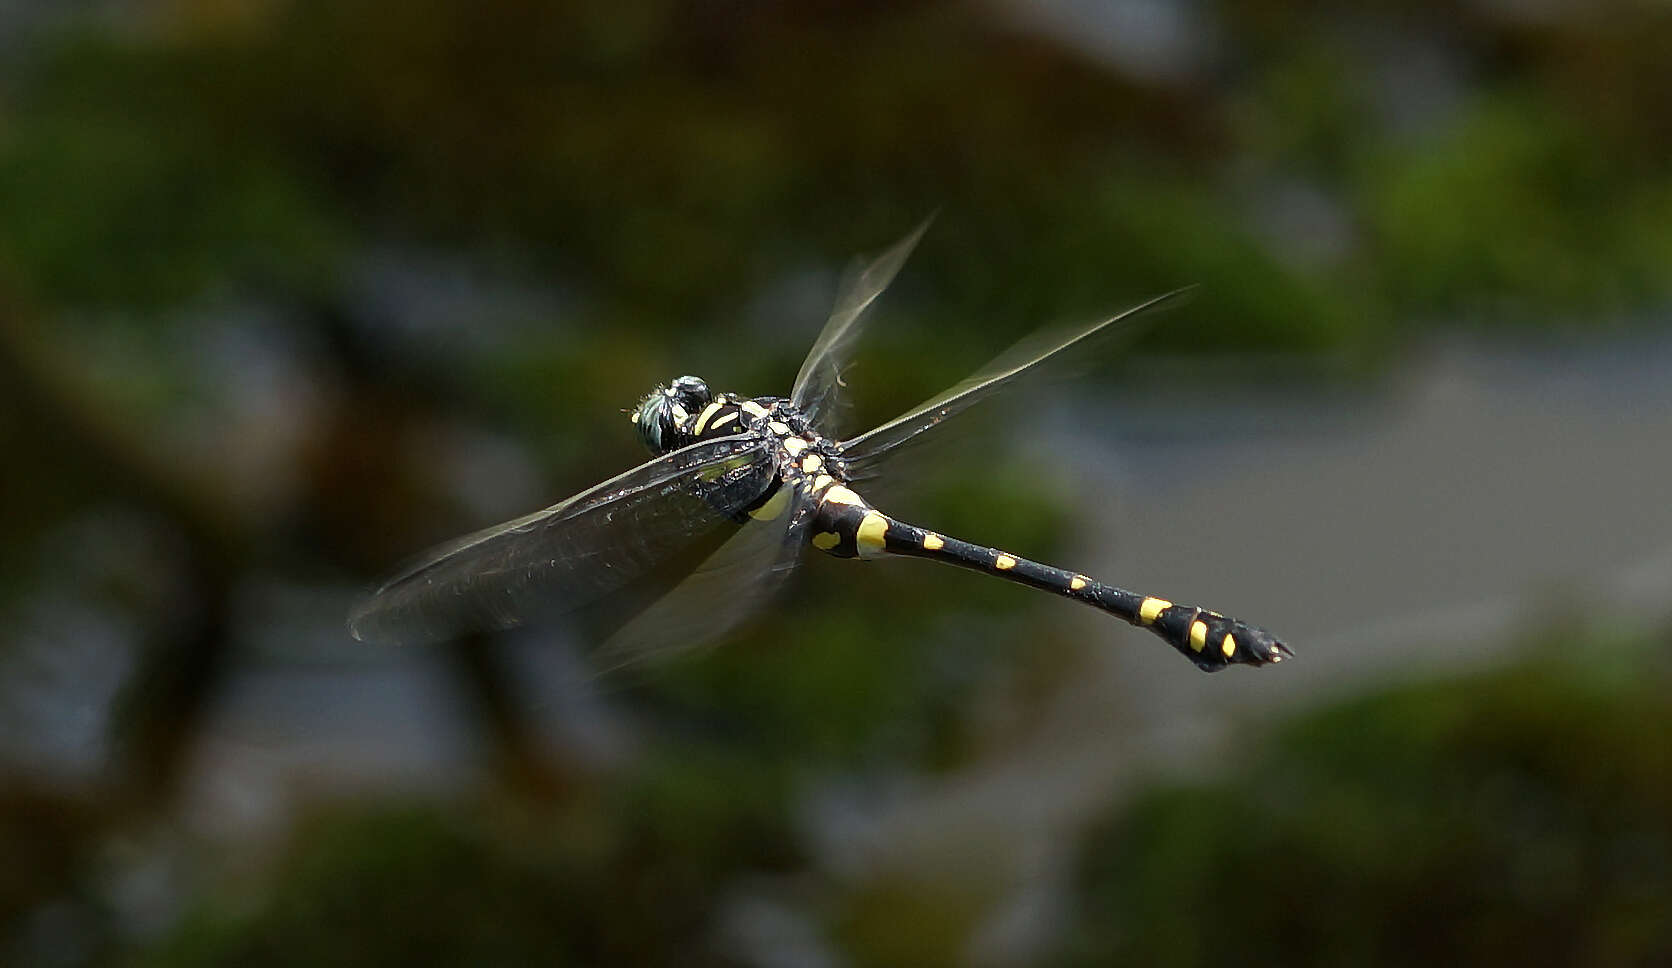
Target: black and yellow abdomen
<point>847,527</point>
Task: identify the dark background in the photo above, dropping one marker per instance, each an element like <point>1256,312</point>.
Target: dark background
<point>291,289</point>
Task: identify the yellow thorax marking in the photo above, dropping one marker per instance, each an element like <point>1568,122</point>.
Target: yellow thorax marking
<point>840,494</point>
<point>825,540</point>
<point>1152,608</point>
<point>707,414</point>
<point>724,419</point>
<point>810,463</point>
<point>823,481</point>
<point>794,446</point>
<point>778,427</point>
<point>752,408</point>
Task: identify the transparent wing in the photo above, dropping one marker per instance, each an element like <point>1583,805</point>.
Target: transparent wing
<point>821,372</point>
<point>553,561</point>
<point>724,590</point>
<point>1002,371</point>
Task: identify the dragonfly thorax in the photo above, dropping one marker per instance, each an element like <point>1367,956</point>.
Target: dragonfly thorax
<point>686,412</point>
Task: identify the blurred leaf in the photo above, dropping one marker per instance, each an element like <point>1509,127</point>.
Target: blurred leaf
<point>1516,815</point>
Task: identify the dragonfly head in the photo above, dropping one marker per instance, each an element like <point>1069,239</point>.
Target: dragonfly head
<point>663,418</point>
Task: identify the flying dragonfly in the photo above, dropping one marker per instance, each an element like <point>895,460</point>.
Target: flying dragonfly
<point>769,469</point>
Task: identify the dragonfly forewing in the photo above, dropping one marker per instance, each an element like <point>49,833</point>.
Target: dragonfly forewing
<point>1001,372</point>
<point>558,559</point>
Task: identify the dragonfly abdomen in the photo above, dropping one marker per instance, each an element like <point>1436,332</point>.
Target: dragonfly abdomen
<point>851,528</point>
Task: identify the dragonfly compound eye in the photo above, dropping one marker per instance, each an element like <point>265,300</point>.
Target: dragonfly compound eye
<point>662,416</point>
<point>654,420</point>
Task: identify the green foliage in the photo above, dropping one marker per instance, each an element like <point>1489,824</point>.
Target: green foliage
<point>1523,815</point>
<point>650,172</point>
<point>118,194</point>
<point>378,886</point>
<point>673,180</point>
<point>919,922</point>
<point>1514,208</point>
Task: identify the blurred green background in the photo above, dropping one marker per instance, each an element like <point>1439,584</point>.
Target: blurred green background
<point>291,289</point>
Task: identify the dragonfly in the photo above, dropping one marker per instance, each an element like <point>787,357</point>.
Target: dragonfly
<point>771,471</point>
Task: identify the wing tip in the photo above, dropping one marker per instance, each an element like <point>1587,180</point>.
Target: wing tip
<point>365,621</point>
<point>356,623</point>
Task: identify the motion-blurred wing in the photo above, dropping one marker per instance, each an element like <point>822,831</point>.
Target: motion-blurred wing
<point>815,386</point>
<point>553,561</point>
<point>1002,371</point>
<point>725,589</point>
